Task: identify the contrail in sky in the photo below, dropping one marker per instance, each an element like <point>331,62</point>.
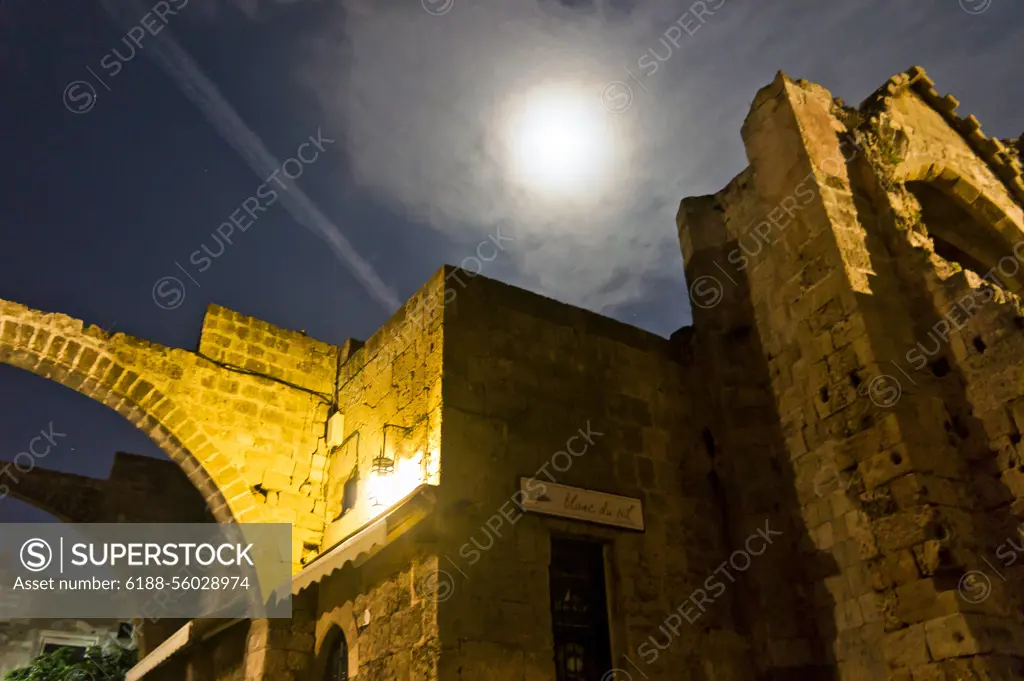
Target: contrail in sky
<point>205,95</point>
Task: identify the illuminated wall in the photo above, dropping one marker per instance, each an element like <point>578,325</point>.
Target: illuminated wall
<point>390,397</point>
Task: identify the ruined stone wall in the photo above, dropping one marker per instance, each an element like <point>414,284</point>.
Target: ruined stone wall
<point>892,482</point>
<point>143,489</point>
<point>971,324</point>
<point>526,380</point>
<point>947,184</point>
<point>140,489</point>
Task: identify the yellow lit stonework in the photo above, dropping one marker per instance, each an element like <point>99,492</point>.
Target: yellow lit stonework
<point>384,491</point>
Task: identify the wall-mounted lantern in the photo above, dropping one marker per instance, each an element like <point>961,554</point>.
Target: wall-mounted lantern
<point>382,470</point>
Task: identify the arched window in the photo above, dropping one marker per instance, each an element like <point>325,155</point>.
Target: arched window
<point>337,659</point>
<point>962,238</point>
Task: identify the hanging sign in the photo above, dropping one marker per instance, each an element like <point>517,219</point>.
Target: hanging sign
<point>540,496</point>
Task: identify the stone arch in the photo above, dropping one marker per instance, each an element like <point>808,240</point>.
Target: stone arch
<point>335,664</point>
<point>335,642</point>
<point>338,621</point>
<point>968,225</point>
<point>56,347</point>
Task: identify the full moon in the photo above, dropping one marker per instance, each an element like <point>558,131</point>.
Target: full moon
<point>560,142</point>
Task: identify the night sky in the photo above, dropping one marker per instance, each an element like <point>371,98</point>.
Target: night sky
<point>119,167</point>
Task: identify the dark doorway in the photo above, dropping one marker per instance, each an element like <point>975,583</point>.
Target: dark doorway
<point>337,660</point>
<point>579,612</point>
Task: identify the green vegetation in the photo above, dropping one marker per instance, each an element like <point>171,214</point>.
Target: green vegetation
<point>109,663</point>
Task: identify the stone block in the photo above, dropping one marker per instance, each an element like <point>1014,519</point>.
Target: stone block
<point>882,468</point>
<point>892,569</point>
<point>299,503</point>
<point>951,636</point>
<point>904,529</point>
<point>275,481</point>
<point>906,647</point>
<point>310,521</point>
<point>922,600</point>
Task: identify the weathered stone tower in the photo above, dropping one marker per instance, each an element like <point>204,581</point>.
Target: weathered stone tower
<point>855,307</point>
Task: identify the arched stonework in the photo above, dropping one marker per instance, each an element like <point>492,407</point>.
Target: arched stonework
<point>334,643</point>
<point>244,431</point>
<point>969,220</point>
<point>951,152</point>
<point>339,621</point>
<point>61,352</point>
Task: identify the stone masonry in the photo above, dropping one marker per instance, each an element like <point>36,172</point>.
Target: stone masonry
<point>863,270</point>
<point>849,400</point>
<point>139,489</point>
<point>243,416</point>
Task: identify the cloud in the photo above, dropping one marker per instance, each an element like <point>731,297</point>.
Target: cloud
<point>206,96</point>
<point>426,100</point>
<point>423,97</point>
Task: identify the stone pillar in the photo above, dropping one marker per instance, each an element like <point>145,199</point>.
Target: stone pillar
<point>284,649</point>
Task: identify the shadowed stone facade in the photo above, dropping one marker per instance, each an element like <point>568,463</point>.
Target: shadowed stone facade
<point>860,277</point>
<point>828,460</point>
<point>139,489</point>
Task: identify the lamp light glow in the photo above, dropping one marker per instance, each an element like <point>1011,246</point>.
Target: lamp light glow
<point>387,488</point>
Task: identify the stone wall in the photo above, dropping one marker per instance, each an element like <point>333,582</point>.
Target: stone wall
<point>140,489</point>
<point>825,254</point>
<point>527,379</point>
<point>390,383</point>
<point>245,439</point>
<point>290,357</point>
<point>388,616</point>
<point>755,480</point>
<point>219,658</point>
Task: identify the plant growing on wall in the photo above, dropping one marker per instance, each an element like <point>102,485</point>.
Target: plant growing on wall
<point>109,663</point>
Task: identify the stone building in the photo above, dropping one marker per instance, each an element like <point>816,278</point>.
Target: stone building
<point>814,481</point>
<point>139,489</point>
